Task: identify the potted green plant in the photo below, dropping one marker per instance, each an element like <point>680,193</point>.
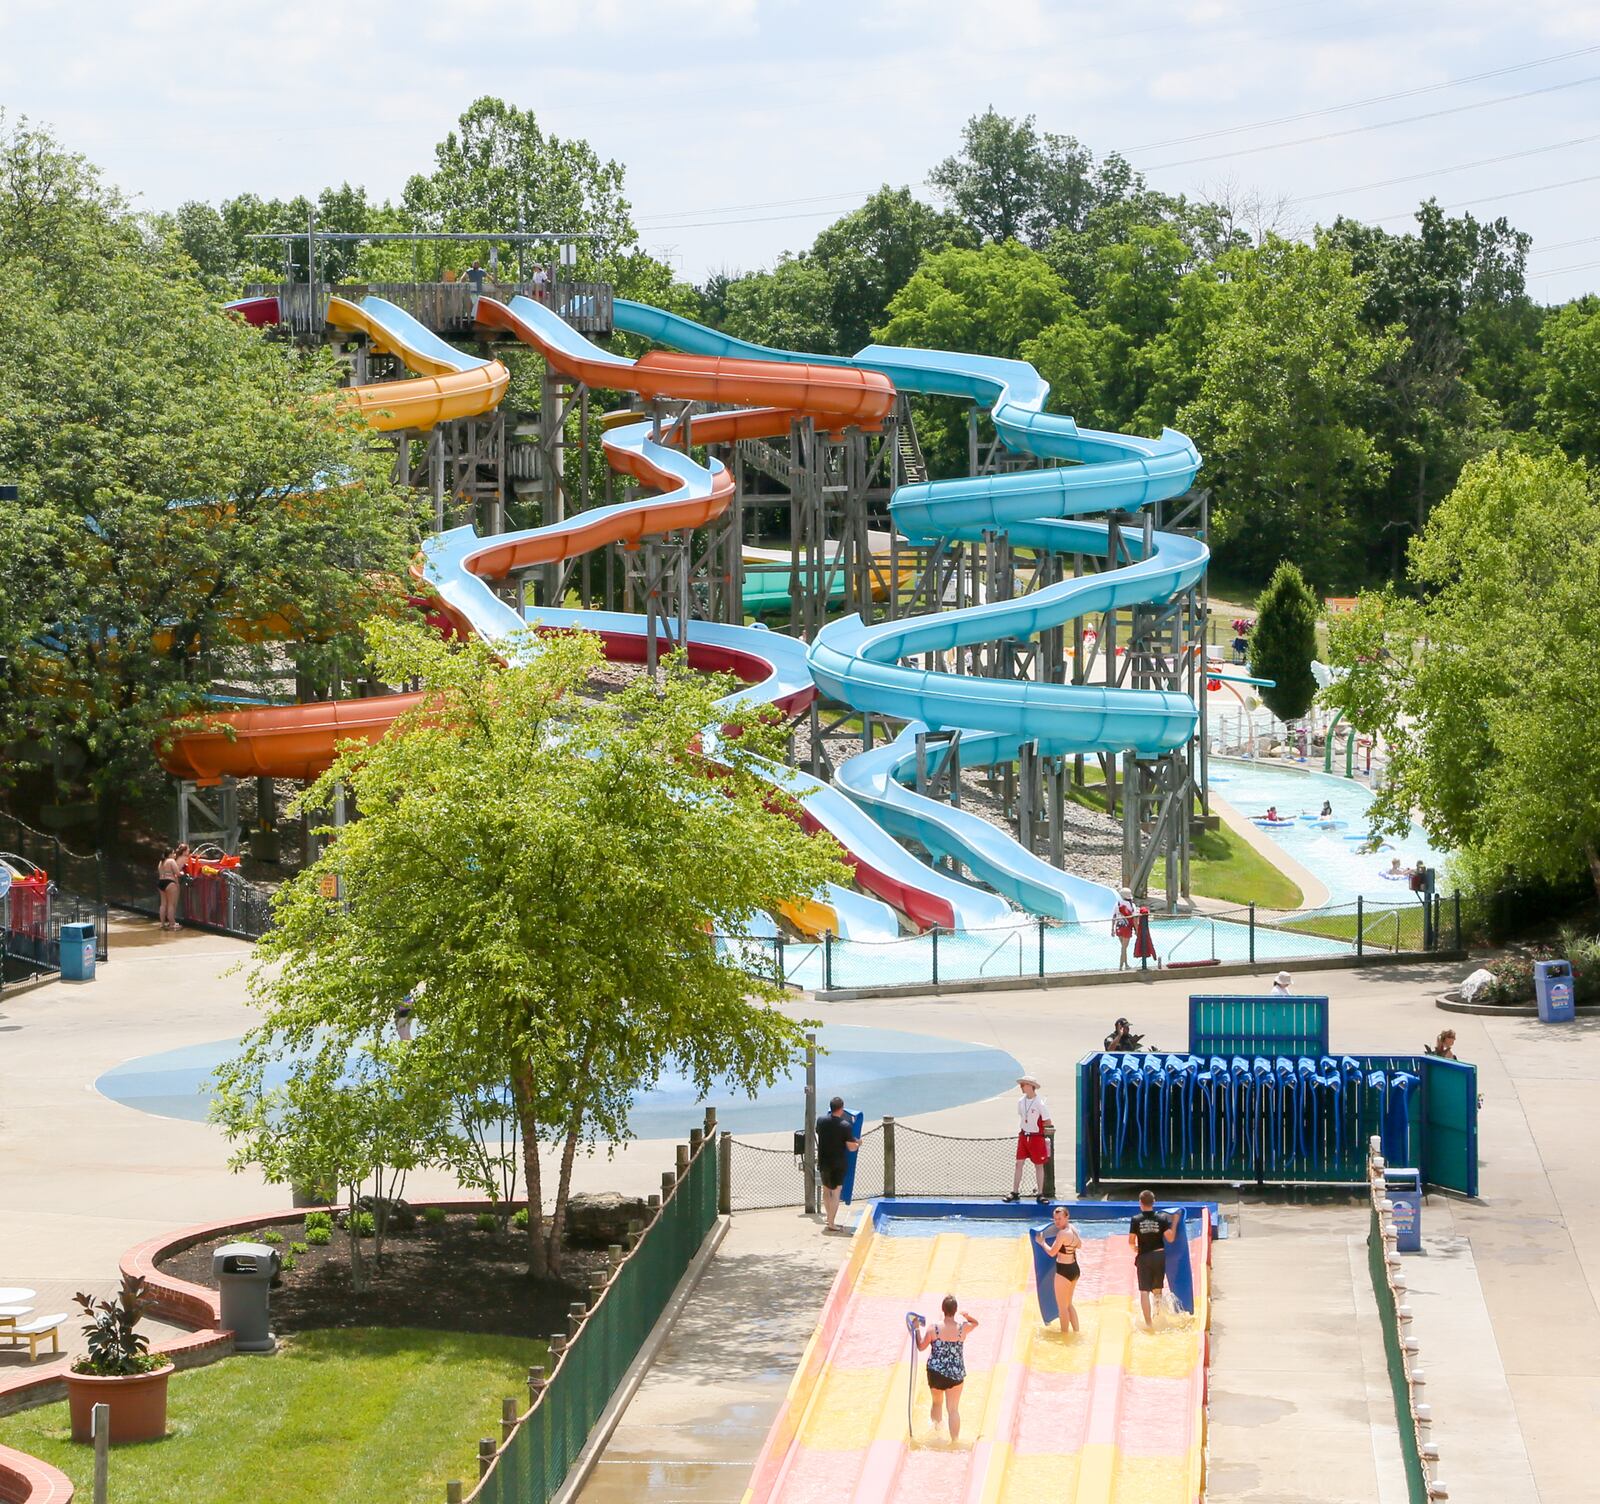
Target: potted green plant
<point>118,1370</point>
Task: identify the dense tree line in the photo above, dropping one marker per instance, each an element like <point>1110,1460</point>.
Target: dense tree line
<point>1336,382</point>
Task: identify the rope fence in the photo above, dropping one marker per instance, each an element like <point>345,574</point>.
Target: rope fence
<point>893,1160</point>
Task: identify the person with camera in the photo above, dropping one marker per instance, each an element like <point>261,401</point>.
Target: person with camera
<point>1122,1039</point>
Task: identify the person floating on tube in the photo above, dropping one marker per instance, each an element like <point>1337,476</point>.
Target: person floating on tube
<point>1148,1235</point>
<point>1033,1117</point>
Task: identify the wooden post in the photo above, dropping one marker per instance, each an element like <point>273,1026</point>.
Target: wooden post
<point>808,1158</point>
<point>668,1181</point>
<point>1050,1163</point>
<point>683,1160</point>
<point>575,1314</point>
<point>535,1384</point>
<point>888,1157</point>
<point>452,1491</point>
<point>508,1418</point>
<point>597,1288</point>
<point>485,1455</point>
<point>100,1430</point>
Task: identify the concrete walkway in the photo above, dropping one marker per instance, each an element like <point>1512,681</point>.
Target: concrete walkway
<point>695,1427</point>
<point>1511,1334</point>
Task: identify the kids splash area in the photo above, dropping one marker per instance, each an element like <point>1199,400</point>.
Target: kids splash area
<point>996,685</point>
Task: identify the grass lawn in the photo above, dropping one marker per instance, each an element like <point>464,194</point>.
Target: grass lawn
<point>1387,927</point>
<point>1222,864</point>
<point>341,1417</point>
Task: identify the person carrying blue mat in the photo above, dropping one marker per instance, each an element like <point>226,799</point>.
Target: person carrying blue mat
<point>1149,1233</point>
<point>1056,1269</point>
<point>838,1138</point>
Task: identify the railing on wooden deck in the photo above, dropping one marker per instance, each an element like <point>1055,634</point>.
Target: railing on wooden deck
<point>444,307</point>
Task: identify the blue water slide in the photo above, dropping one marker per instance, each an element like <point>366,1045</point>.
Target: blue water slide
<point>862,665</point>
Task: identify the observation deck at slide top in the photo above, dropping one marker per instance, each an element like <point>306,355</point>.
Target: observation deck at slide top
<point>445,308</point>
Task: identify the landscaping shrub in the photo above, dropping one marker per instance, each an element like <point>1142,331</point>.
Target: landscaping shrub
<point>272,1236</point>
<point>1513,976</point>
<point>315,1220</point>
<point>434,1216</point>
<point>486,1222</point>
<point>363,1224</point>
<point>319,1237</point>
<point>297,1248</point>
<point>520,1220</point>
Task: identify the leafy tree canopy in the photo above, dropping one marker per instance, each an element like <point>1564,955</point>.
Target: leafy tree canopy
<point>552,871</point>
<point>1484,689</point>
<point>189,493</point>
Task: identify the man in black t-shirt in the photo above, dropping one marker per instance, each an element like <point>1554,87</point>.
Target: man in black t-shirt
<point>1149,1232</point>
<point>834,1144</point>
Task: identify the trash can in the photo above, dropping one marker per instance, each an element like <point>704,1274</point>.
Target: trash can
<point>77,952</point>
<point>1552,990</point>
<point>1403,1187</point>
<point>243,1272</point>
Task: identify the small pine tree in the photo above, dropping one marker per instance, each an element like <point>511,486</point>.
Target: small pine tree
<point>1283,643</point>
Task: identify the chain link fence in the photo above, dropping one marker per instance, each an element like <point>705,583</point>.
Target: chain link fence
<point>1032,947</point>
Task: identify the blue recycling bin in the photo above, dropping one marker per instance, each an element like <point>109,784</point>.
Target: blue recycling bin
<point>1552,990</point>
<point>77,952</point>
<point>1403,1187</point>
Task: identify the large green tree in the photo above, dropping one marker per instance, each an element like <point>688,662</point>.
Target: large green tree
<point>1440,285</point>
<point>193,503</point>
<point>1011,181</point>
<point>1484,687</point>
<point>1283,643</point>
<point>554,870</point>
<point>1569,405</point>
<point>1278,413</point>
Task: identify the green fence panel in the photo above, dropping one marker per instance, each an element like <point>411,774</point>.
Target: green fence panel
<point>1394,1359</point>
<point>581,1381</point>
<point>1450,1124</point>
<point>1244,1025</point>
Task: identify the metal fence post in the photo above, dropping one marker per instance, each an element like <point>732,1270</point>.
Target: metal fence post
<point>1041,945</point>
<point>1050,1163</point>
<point>827,960</point>
<point>808,1157</point>
<point>100,1430</point>
<point>780,961</point>
<point>936,955</point>
<point>1458,918</point>
<point>888,1156</point>
<point>725,1173</point>
<point>1252,932</point>
<point>1360,924</point>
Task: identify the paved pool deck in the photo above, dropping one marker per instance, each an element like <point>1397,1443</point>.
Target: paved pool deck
<point>1505,1292</point>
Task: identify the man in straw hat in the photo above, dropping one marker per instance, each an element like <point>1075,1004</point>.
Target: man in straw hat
<point>1033,1117</point>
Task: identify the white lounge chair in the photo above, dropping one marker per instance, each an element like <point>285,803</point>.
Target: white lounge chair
<point>35,1332</point>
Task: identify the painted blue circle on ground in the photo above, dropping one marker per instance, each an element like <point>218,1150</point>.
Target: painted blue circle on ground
<point>882,1072</point>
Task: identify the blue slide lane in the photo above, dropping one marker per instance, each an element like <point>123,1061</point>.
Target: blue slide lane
<point>861,665</point>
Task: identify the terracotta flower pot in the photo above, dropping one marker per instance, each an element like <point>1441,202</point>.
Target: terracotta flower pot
<point>138,1404</point>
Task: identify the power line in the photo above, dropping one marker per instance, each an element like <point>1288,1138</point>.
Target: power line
<point>1562,245</point>
<point>1378,125</point>
<point>1556,271</point>
<point>1361,104</point>
<point>1533,151</point>
<point>1494,198</point>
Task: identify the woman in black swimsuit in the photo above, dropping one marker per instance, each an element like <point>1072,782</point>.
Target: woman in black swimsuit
<point>167,889</point>
<point>1062,1243</point>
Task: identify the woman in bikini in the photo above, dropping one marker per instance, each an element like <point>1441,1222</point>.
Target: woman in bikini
<point>947,1363</point>
<point>1124,921</point>
<point>167,889</point>
<point>1062,1243</point>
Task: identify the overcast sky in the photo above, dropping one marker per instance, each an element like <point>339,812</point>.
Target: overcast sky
<point>746,125</point>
